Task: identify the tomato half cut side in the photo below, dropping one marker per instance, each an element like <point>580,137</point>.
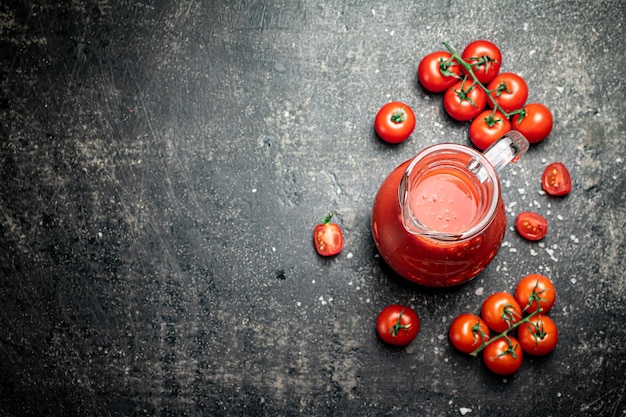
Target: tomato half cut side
<point>531,226</point>
<point>556,179</point>
<point>328,237</point>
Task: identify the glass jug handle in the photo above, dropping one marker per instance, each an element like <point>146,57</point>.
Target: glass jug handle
<point>508,149</point>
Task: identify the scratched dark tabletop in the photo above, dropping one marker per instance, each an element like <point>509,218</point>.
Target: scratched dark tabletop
<point>163,165</point>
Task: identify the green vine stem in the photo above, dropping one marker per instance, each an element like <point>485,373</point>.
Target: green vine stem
<point>469,69</point>
<point>534,297</point>
<point>399,326</point>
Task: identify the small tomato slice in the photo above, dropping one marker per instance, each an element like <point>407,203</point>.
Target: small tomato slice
<point>503,356</point>
<point>539,336</point>
<point>535,290</point>
<point>485,58</point>
<point>468,332</point>
<point>531,226</point>
<point>556,179</point>
<point>436,71</point>
<point>464,100</point>
<point>487,128</point>
<point>397,324</point>
<point>395,121</point>
<point>500,311</point>
<point>328,237</point>
<point>535,122</point>
<point>509,90</point>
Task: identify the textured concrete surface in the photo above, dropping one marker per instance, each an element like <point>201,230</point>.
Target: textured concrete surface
<point>163,165</point>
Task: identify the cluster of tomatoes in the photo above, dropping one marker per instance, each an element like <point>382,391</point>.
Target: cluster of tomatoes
<point>504,313</point>
<point>474,89</point>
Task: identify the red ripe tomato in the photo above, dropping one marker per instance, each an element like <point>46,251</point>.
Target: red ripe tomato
<point>328,237</point>
<point>468,332</point>
<point>509,90</point>
<point>500,311</point>
<point>539,336</point>
<point>487,128</point>
<point>485,58</point>
<point>394,122</point>
<point>397,324</point>
<point>464,100</point>
<point>503,356</point>
<point>436,72</point>
<point>556,179</point>
<point>531,226</point>
<point>535,289</point>
<point>536,123</point>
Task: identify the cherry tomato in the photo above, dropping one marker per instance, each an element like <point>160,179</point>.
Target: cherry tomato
<point>485,58</point>
<point>503,356</point>
<point>531,226</point>
<point>468,332</point>
<point>556,179</point>
<point>487,128</point>
<point>394,122</point>
<point>328,237</point>
<point>539,336</point>
<point>464,100</point>
<point>533,289</point>
<point>536,123</point>
<point>509,90</point>
<point>397,324</point>
<point>436,72</point>
<point>500,311</point>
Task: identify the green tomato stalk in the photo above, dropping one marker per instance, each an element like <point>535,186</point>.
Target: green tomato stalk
<point>469,68</point>
<point>534,297</point>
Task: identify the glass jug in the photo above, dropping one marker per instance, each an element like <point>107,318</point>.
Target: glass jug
<point>438,219</point>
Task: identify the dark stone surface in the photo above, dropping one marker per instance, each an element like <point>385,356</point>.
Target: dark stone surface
<point>163,165</point>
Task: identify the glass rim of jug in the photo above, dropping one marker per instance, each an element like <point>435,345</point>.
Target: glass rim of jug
<point>477,166</point>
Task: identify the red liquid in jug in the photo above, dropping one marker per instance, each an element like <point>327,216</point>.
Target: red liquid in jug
<point>444,202</point>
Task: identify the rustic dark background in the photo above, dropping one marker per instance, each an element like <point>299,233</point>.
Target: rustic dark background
<point>163,164</point>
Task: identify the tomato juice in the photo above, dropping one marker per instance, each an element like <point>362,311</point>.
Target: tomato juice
<point>444,202</point>
<point>460,223</point>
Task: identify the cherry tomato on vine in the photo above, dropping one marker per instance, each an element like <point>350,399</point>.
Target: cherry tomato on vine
<point>536,123</point>
<point>500,311</point>
<point>556,179</point>
<point>468,332</point>
<point>531,225</point>
<point>436,71</point>
<point>533,289</point>
<point>539,336</point>
<point>464,100</point>
<point>503,356</point>
<point>485,58</point>
<point>394,122</point>
<point>397,324</point>
<point>487,128</point>
<point>328,237</point>
<point>509,90</point>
